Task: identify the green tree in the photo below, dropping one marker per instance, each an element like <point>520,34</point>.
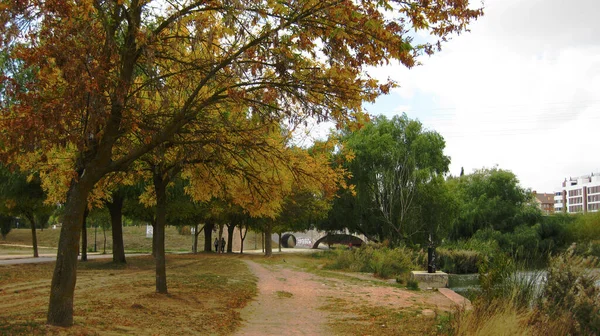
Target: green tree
<point>23,196</point>
<point>491,199</point>
<point>6,224</point>
<point>300,211</point>
<point>436,211</point>
<point>390,162</point>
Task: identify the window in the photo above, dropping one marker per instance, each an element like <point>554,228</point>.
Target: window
<point>594,190</point>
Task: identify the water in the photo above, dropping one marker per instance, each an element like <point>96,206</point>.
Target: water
<point>467,285</point>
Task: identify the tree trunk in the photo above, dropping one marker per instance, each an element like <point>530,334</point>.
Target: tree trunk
<point>31,218</point>
<point>104,231</point>
<point>220,246</point>
<point>279,234</point>
<point>154,243</point>
<point>268,244</point>
<point>115,208</point>
<point>230,230</point>
<point>160,187</point>
<point>208,244</point>
<point>84,235</point>
<point>60,307</point>
<point>195,244</point>
<point>242,237</point>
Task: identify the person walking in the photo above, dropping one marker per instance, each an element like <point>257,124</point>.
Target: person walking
<point>222,244</point>
<point>216,245</point>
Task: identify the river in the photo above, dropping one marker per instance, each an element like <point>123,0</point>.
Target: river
<point>468,284</point>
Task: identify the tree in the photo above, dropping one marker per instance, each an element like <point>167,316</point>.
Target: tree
<point>6,223</point>
<point>23,196</point>
<point>436,212</point>
<point>105,69</point>
<point>390,161</point>
<point>301,210</point>
<point>491,198</point>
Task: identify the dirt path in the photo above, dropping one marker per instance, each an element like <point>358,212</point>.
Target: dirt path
<point>287,304</point>
<point>290,301</point>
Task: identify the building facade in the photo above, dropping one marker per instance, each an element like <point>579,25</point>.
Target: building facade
<point>545,202</point>
<point>578,195</point>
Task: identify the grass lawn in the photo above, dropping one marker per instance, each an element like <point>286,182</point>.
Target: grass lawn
<point>205,294</point>
<point>134,238</point>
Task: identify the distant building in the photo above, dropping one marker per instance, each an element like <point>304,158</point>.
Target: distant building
<point>545,202</point>
<point>577,195</point>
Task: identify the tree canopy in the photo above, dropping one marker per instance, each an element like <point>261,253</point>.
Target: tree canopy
<point>491,198</point>
<point>113,80</point>
<point>393,163</point>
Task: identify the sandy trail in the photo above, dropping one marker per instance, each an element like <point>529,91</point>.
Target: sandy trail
<point>289,301</point>
<point>275,311</point>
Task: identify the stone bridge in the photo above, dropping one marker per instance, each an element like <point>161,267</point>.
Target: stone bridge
<point>313,238</point>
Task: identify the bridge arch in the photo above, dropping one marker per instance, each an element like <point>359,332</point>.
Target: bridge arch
<point>343,239</point>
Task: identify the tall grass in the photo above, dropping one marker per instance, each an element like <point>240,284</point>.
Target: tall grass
<point>566,303</point>
<point>382,261</point>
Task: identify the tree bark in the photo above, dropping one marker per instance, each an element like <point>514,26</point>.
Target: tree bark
<point>230,230</point>
<point>268,244</point>
<point>104,231</point>
<point>242,237</point>
<point>220,245</point>
<point>31,218</point>
<point>60,307</point>
<point>160,187</point>
<point>84,235</point>
<point>279,234</point>
<point>115,208</point>
<point>208,244</point>
<point>195,244</point>
<point>154,243</point>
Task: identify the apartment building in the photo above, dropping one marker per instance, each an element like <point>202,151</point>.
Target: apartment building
<point>581,194</point>
<point>545,202</point>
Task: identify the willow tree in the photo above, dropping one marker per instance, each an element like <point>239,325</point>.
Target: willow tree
<point>103,70</point>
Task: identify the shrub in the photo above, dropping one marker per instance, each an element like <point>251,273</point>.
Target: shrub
<point>570,296</point>
<point>586,227</point>
<point>458,261</point>
<point>381,261</point>
<point>386,263</point>
<point>412,285</point>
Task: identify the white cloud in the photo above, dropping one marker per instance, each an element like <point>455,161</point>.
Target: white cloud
<point>522,90</point>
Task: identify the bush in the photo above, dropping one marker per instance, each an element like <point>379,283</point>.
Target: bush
<point>458,261</point>
<point>586,227</point>
<point>381,261</point>
<point>412,285</point>
<point>568,303</point>
<point>387,263</point>
<point>571,298</point>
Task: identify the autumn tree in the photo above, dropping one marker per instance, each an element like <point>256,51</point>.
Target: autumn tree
<point>104,70</point>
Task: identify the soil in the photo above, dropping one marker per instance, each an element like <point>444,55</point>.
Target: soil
<point>292,302</point>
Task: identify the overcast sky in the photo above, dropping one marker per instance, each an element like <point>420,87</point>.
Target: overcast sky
<point>521,91</point>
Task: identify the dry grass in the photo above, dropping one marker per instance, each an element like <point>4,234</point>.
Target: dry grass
<point>496,319</point>
<point>205,294</point>
<point>134,238</point>
<point>354,319</point>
